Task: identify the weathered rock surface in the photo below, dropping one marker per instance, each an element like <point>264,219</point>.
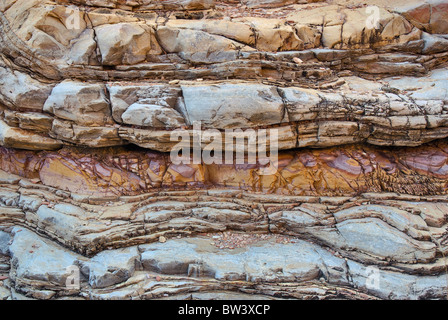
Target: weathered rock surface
<point>95,93</point>
<point>338,171</point>
<point>395,112</point>
<point>304,69</point>
<point>125,43</point>
<point>84,104</point>
<point>233,106</point>
<point>172,268</point>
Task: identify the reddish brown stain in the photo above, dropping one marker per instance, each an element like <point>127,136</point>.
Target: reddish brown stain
<point>343,170</point>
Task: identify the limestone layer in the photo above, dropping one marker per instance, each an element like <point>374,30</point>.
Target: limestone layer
<point>395,113</point>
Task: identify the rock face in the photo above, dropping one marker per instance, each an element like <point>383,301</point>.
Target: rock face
<point>345,198</point>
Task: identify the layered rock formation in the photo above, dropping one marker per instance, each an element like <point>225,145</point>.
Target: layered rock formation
<point>92,92</point>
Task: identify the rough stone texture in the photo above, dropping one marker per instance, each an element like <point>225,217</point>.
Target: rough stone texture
<point>90,99</point>
<point>392,113</point>
<point>154,116</point>
<point>232,106</point>
<point>148,4</point>
<point>81,103</point>
<point>337,171</point>
<point>125,43</point>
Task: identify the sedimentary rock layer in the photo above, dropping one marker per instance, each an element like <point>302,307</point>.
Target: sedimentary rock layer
<point>222,241</point>
<point>93,92</point>
<point>80,43</point>
<point>176,237</point>
<point>300,69</point>
<point>202,271</point>
<point>334,171</point>
<point>393,113</point>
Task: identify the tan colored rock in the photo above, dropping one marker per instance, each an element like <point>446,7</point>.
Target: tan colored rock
<point>234,30</point>
<point>33,121</point>
<point>62,24</point>
<point>185,43</point>
<point>154,116</point>
<point>24,139</point>
<point>126,43</point>
<point>84,104</point>
<point>353,28</point>
<point>232,106</point>
<point>331,36</point>
<point>311,37</point>
<point>123,96</point>
<point>153,139</point>
<point>396,27</point>
<point>318,16</point>
<point>100,17</point>
<point>97,137</point>
<point>23,92</point>
<point>273,35</point>
<point>83,49</point>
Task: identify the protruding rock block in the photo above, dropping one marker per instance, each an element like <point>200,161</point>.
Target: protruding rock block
<point>125,43</point>
<point>84,104</point>
<point>230,106</point>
